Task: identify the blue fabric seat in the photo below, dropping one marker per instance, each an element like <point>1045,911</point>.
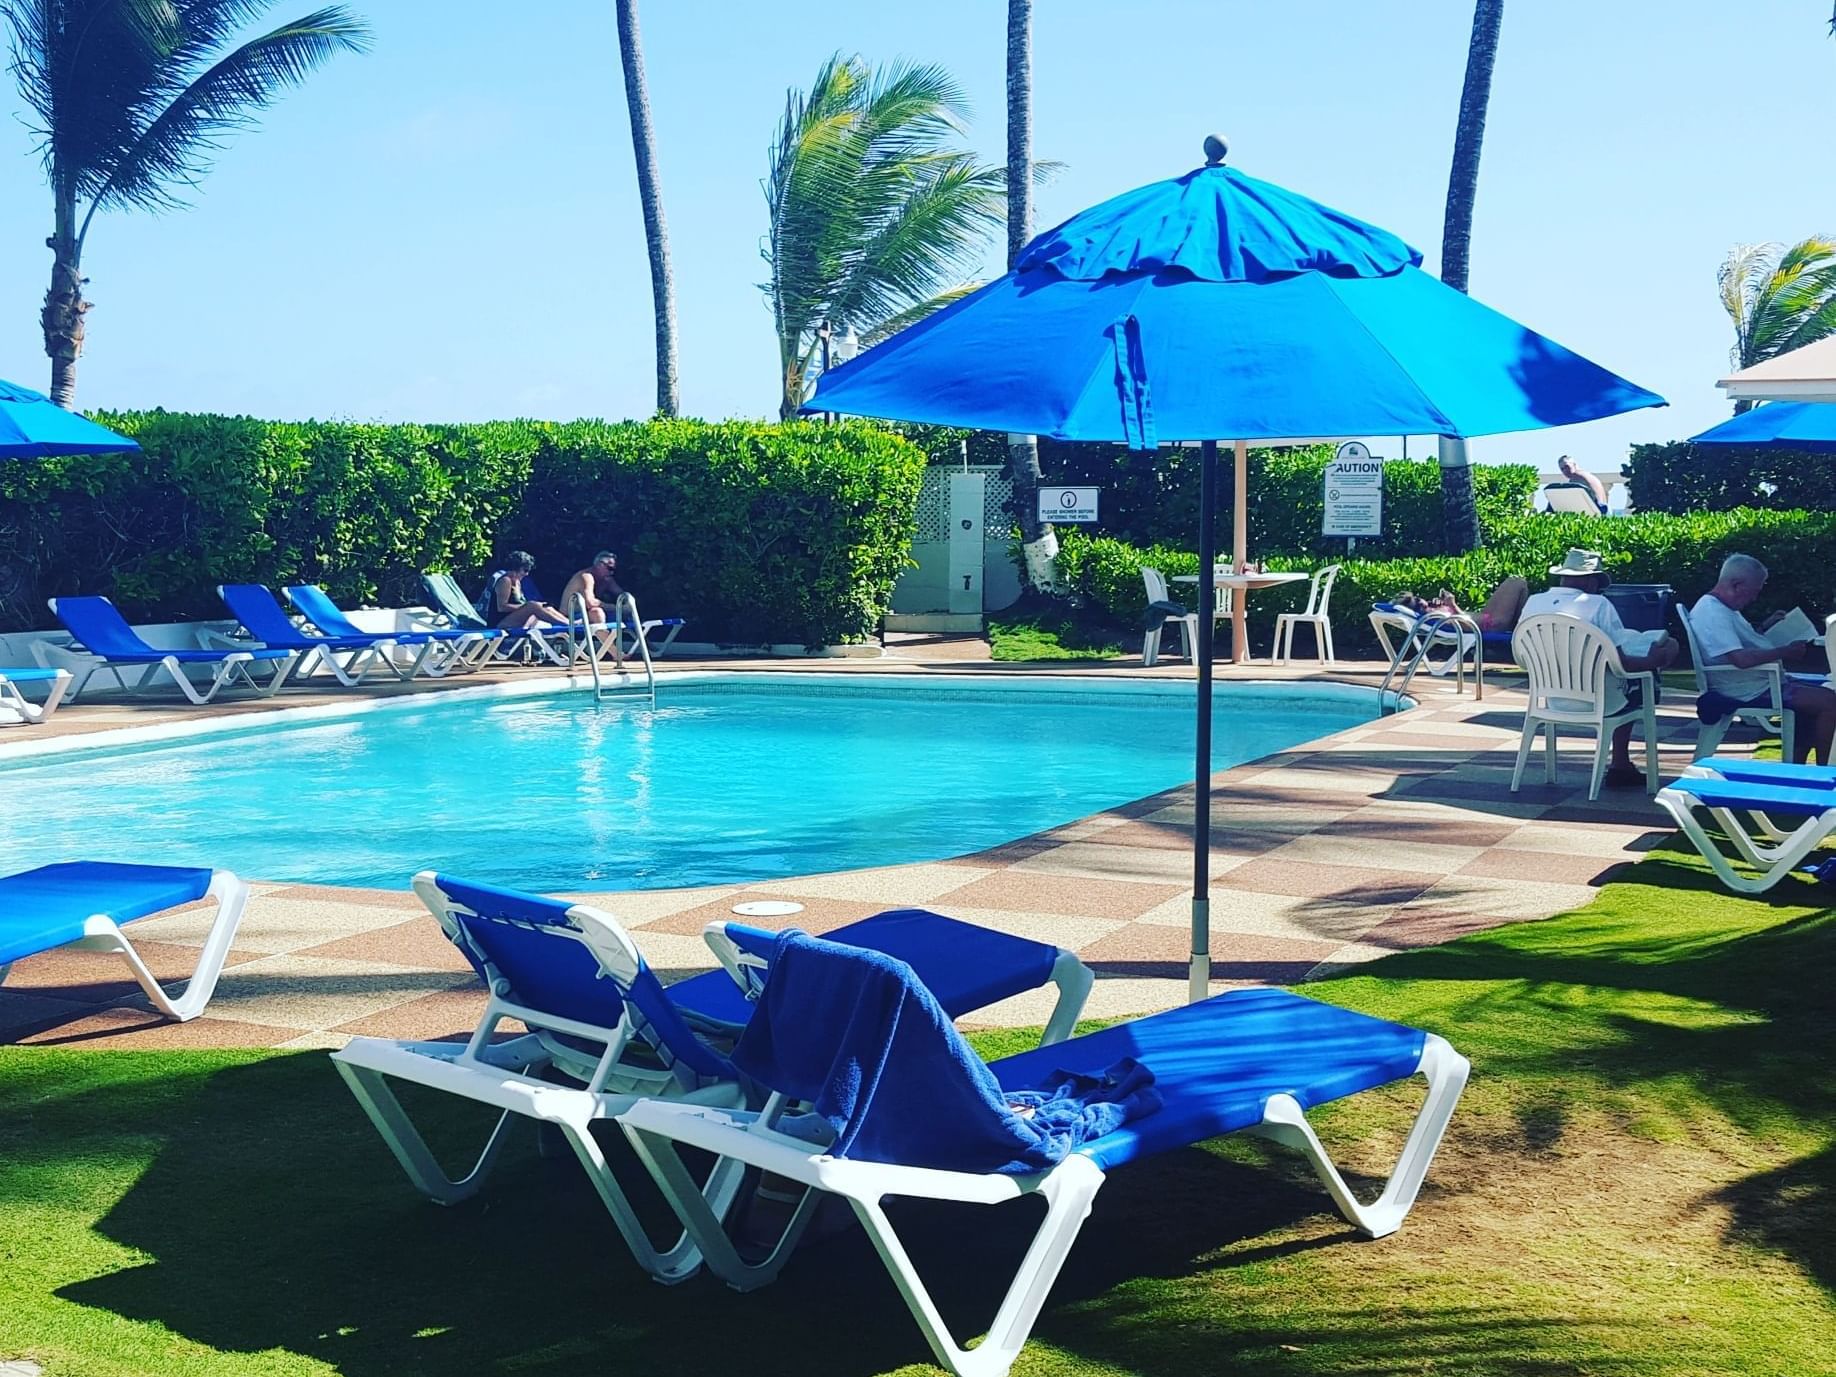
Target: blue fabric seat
<point>325,614</point>
<point>262,616</point>
<point>1748,812</point>
<point>30,675</point>
<point>899,1105</point>
<point>1218,1063</point>
<point>89,902</point>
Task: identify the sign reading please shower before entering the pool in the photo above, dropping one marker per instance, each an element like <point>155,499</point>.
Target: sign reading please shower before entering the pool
<point>1354,492</point>
<point>1068,505</point>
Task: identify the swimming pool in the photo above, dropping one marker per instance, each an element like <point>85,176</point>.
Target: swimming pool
<point>730,779</point>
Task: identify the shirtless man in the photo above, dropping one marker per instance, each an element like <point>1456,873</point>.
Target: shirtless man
<point>596,585</point>
<point>1574,473</point>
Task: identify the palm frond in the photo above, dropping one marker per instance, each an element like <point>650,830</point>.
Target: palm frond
<point>1779,297</point>
<point>911,315</point>
<point>874,206</point>
<point>173,149</point>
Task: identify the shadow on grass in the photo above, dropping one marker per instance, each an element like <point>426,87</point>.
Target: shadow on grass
<point>274,1220</point>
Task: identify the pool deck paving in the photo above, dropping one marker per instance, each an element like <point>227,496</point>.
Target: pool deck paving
<point>1397,833</point>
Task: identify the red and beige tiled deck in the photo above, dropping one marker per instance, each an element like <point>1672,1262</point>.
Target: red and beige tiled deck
<point>1395,834</point>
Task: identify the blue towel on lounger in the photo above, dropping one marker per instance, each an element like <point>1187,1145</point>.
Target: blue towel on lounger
<point>857,1035</point>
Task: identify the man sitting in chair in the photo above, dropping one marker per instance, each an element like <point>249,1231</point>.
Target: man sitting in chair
<point>1581,581</point>
<point>596,586</point>
<point>1724,636</point>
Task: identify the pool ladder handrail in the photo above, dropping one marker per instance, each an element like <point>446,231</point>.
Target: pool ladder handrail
<point>577,616</point>
<point>1426,630</point>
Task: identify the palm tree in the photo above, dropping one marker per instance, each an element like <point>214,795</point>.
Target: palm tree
<point>1459,511</point>
<point>132,98</point>
<point>1779,298</point>
<point>650,194</point>
<point>1038,542</point>
<point>876,215</point>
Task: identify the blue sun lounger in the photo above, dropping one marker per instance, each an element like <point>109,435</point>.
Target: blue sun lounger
<point>16,708</point>
<point>901,1106</point>
<point>450,602</point>
<point>349,659</point>
<point>1773,827</point>
<point>86,904</point>
<point>464,648</point>
<point>101,630</point>
<point>605,1032</point>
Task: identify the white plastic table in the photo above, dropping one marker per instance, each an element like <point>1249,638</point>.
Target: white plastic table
<point>1244,584</point>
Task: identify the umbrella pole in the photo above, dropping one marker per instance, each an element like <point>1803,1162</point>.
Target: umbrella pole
<point>1239,555</point>
<point>1200,976</point>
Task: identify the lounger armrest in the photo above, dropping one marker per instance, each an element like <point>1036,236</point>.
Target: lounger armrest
<point>737,1136</point>
<point>211,639</point>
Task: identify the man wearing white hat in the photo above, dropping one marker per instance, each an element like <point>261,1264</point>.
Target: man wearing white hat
<point>1581,581</point>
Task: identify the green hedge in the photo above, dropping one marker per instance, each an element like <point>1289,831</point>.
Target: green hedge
<point>755,532</point>
<point>1680,478</point>
<point>1153,498</point>
<point>1683,551</point>
<point>791,533</point>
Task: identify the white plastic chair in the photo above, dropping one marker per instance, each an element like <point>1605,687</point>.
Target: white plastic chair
<point>1315,614</point>
<point>1188,624</point>
<point>1572,665</point>
<point>1709,734</point>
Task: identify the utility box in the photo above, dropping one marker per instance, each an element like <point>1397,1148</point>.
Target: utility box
<point>968,498</point>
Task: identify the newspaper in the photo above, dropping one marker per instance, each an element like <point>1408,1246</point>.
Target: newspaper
<point>1791,629</point>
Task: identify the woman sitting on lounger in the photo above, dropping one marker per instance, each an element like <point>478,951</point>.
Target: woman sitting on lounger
<point>503,603</point>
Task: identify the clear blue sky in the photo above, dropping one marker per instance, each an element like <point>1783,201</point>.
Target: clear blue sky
<point>448,229</point>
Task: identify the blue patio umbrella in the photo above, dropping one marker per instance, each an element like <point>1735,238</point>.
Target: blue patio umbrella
<point>1219,307</point>
<point>1806,426</point>
<point>32,426</point>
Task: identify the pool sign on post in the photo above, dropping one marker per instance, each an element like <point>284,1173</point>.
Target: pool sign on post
<point>1354,493</point>
<point>1068,506</point>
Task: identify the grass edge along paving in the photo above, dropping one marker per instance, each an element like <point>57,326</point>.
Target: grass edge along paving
<point>1642,1179</point>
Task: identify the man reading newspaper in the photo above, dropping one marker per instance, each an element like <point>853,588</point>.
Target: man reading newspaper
<point>1724,636</point>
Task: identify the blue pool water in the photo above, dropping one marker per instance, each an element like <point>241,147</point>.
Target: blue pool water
<point>725,781</point>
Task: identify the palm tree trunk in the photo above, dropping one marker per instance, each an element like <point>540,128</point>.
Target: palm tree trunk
<point>650,194</point>
<point>62,317</point>
<point>1460,514</point>
<point>1038,541</point>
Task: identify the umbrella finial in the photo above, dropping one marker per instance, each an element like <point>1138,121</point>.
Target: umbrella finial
<point>1217,148</point>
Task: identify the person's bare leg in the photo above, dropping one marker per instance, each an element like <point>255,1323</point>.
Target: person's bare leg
<point>1622,748</point>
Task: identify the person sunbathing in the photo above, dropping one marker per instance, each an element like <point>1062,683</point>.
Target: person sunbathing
<point>1500,612</point>
<point>504,603</point>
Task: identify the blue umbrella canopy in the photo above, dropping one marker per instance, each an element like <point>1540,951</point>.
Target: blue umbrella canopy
<point>1807,426</point>
<point>32,426</point>
<point>1216,305</point>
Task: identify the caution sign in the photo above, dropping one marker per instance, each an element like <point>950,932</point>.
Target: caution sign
<point>1068,506</point>
<point>1354,492</point>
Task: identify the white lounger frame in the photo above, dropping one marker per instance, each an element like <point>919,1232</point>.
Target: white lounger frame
<point>1771,848</point>
<point>508,1076</point>
<point>102,933</point>
<point>232,669</point>
<point>655,1128</point>
<point>18,710</point>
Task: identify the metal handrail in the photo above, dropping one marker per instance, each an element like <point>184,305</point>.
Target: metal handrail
<point>627,602</point>
<point>1425,630</point>
<point>577,616</point>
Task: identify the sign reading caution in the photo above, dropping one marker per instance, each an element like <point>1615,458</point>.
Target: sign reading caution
<point>1354,492</point>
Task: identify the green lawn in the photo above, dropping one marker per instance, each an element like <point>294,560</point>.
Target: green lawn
<point>1019,638</point>
<point>1642,1179</point>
